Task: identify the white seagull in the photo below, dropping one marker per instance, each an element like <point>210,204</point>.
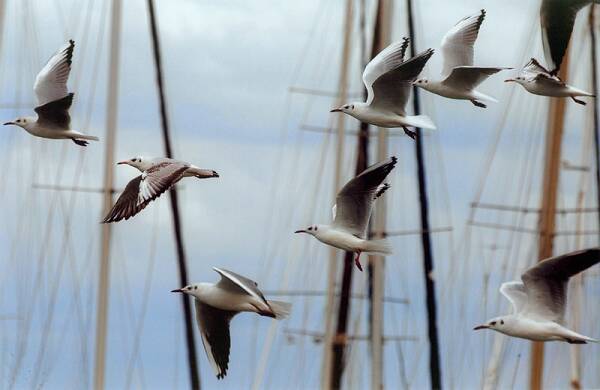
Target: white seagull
<point>352,211</point>
<point>539,81</point>
<point>54,100</point>
<point>217,303</point>
<point>539,301</point>
<point>388,79</point>
<point>158,176</point>
<point>557,18</point>
<point>460,77</point>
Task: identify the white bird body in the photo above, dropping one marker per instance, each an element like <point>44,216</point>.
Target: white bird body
<point>539,300</point>
<point>460,77</point>
<point>340,239</point>
<point>554,90</point>
<point>31,126</point>
<point>388,80</point>
<point>230,300</point>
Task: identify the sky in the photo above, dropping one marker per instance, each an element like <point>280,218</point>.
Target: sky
<point>229,67</point>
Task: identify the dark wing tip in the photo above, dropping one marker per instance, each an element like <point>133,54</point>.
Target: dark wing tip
<point>69,51</point>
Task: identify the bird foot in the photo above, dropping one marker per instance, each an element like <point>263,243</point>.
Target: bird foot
<point>357,262</point>
<point>578,101</point>
<point>80,142</point>
<point>410,133</point>
<point>478,104</point>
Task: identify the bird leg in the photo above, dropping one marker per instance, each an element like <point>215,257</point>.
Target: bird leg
<point>80,142</point>
<point>357,262</point>
<point>410,133</point>
<point>478,104</point>
<point>578,101</point>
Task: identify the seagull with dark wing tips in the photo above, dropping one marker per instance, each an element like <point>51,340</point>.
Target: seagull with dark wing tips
<point>538,80</point>
<point>540,299</point>
<point>217,303</point>
<point>352,211</point>
<point>388,79</point>
<point>158,176</point>
<point>54,101</point>
<point>460,77</point>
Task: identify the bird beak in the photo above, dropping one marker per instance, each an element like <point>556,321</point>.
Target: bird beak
<point>300,231</point>
<point>509,80</point>
<point>479,327</point>
<point>336,110</point>
<point>177,290</point>
<point>8,123</point>
<point>123,162</point>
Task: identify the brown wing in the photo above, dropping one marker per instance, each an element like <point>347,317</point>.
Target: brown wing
<point>55,115</point>
<point>214,329</point>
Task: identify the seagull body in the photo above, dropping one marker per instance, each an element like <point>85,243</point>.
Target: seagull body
<point>460,77</point>
<point>158,176</point>
<point>539,301</point>
<point>538,80</point>
<point>352,211</point>
<point>557,18</point>
<point>388,79</point>
<point>53,120</point>
<point>217,303</point>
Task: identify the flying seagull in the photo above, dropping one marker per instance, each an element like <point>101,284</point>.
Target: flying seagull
<point>539,81</point>
<point>158,176</point>
<point>539,301</point>
<point>460,77</point>
<point>388,79</point>
<point>217,303</point>
<point>54,100</point>
<point>557,18</point>
<point>352,211</point>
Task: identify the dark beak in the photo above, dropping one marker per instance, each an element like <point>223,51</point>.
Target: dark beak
<point>215,174</point>
<point>509,80</point>
<point>8,123</point>
<point>122,162</point>
<point>177,290</point>
<point>336,110</point>
<point>479,327</point>
<point>300,231</point>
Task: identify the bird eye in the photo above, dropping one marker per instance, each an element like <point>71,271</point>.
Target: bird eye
<point>315,228</point>
<point>501,322</point>
<point>195,287</point>
<point>352,107</point>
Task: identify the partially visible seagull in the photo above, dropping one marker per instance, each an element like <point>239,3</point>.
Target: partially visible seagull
<point>460,77</point>
<point>388,79</point>
<point>217,303</point>
<point>352,211</point>
<point>539,301</point>
<point>539,81</point>
<point>54,101</point>
<point>557,18</point>
<point>158,176</point>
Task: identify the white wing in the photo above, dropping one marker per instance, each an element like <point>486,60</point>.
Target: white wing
<point>232,281</point>
<point>355,200</point>
<point>469,77</point>
<point>51,82</point>
<point>388,59</point>
<point>515,292</point>
<point>457,44</point>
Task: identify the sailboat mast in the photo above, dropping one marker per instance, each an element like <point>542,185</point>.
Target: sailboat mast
<point>109,151</point>
<point>594,64</point>
<point>547,222</point>
<point>434,353</point>
<point>181,261</point>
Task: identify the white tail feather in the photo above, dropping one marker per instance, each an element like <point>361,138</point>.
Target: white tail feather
<point>378,246</point>
<point>78,135</point>
<point>280,309</point>
<point>421,121</point>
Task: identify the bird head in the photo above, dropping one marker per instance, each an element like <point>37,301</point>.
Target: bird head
<point>312,230</point>
<point>192,289</point>
<point>498,323</point>
<point>346,108</point>
<point>23,122</point>
<point>138,162</point>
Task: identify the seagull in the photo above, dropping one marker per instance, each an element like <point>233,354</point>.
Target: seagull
<point>158,176</point>
<point>54,100</point>
<point>217,303</point>
<point>352,211</point>
<point>460,77</point>
<point>557,18</point>
<point>539,301</point>
<point>388,79</point>
<point>539,81</point>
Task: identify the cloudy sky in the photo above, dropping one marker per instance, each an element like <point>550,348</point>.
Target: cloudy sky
<point>229,66</point>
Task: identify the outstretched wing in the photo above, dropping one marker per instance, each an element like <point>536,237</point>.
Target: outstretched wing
<point>388,59</point>
<point>355,200</point>
<point>457,44</point>
<point>515,292</point>
<point>232,281</point>
<point>469,77</point>
<point>51,82</point>
<point>55,115</point>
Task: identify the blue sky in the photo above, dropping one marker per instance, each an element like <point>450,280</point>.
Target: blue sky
<point>228,69</point>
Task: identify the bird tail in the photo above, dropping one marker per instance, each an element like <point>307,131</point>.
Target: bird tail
<point>79,135</point>
<point>280,309</point>
<point>420,121</point>
<point>579,92</point>
<point>485,98</point>
<point>377,246</point>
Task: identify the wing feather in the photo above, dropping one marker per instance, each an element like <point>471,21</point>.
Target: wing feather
<point>51,82</point>
<point>213,324</point>
<point>457,44</point>
<point>388,59</point>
